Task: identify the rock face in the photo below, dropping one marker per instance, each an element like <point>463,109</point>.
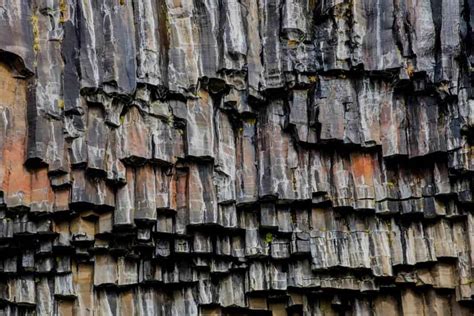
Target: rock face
<point>233,157</point>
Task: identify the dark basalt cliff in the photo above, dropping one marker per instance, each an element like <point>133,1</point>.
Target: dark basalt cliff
<point>214,157</point>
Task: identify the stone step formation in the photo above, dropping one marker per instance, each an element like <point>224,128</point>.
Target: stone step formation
<point>236,157</point>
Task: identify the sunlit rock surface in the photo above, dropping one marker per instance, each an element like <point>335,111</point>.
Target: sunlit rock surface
<point>235,157</point>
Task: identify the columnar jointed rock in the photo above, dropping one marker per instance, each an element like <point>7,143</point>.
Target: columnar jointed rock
<point>164,157</point>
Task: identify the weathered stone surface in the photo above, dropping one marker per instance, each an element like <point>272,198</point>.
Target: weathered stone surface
<point>237,157</point>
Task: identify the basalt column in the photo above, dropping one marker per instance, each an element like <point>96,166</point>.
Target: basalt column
<point>236,157</point>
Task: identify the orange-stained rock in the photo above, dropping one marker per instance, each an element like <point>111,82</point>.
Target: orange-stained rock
<point>65,308</point>
<point>42,196</point>
<point>15,180</point>
<point>83,274</point>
